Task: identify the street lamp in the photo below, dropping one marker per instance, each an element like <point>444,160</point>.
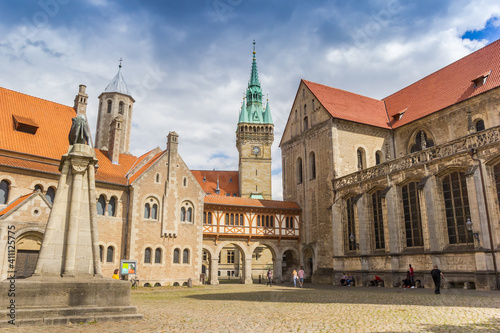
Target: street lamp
<point>468,224</point>
<point>351,239</point>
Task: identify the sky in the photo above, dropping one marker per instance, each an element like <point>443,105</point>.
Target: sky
<point>187,63</point>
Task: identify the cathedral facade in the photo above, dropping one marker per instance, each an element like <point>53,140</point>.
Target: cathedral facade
<point>409,179</point>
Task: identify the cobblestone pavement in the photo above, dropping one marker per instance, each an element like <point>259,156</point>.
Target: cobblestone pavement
<point>315,308</point>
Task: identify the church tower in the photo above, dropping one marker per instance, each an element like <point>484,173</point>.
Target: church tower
<point>254,137</point>
<point>114,120</point>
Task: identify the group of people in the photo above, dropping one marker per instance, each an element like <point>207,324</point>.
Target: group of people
<point>346,280</point>
<point>298,276</point>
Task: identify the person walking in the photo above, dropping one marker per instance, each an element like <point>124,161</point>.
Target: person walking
<point>300,274</point>
<point>412,277</point>
<point>436,277</point>
<point>294,276</point>
<point>270,278</point>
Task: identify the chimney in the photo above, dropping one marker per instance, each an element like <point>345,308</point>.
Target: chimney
<point>81,101</point>
<point>172,142</point>
<point>114,140</point>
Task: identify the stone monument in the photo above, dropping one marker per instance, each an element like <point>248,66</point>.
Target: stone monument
<point>67,285</point>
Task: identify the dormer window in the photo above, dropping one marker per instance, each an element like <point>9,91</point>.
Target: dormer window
<point>26,125</point>
<point>399,115</point>
<point>481,79</point>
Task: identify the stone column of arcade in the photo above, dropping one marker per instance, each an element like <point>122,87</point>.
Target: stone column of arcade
<point>278,270</point>
<point>214,268</point>
<point>67,286</point>
<point>248,270</point>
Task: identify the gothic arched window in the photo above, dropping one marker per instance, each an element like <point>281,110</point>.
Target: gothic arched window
<point>4,192</point>
<point>110,104</point>
<point>158,255</point>
<point>480,125</point>
<point>147,256</point>
<point>121,108</point>
<point>112,206</point>
<point>50,195</point>
<point>101,205</point>
<point>421,142</point>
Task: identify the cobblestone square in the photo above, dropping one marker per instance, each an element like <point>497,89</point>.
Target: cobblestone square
<point>315,308</point>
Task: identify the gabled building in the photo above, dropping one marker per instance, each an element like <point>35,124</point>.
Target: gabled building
<point>409,179</point>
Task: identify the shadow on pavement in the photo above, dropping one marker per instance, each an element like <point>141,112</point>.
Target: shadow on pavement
<point>320,294</point>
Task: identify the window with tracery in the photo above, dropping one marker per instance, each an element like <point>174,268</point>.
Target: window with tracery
<point>456,202</point>
<point>378,220</point>
<point>350,223</point>
<point>412,218</point>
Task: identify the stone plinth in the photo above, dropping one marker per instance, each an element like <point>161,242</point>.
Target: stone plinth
<point>51,301</point>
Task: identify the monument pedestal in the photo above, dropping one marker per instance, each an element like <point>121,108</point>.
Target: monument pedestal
<point>60,301</point>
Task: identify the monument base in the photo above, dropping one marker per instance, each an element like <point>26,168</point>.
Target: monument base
<point>60,301</point>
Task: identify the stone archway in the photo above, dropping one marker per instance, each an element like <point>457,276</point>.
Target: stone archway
<point>27,249</point>
<point>291,261</point>
<point>308,256</point>
<point>231,260</point>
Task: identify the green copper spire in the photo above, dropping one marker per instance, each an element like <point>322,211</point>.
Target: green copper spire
<point>267,114</point>
<point>253,112</point>
<point>243,112</point>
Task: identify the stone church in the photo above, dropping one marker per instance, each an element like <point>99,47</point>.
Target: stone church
<point>177,223</point>
<point>413,178</point>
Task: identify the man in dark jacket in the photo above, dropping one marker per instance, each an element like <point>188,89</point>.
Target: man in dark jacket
<point>436,277</point>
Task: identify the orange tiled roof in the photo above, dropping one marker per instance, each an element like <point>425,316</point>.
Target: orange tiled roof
<point>113,173</point>
<point>443,88</point>
<point>146,166</point>
<point>16,203</point>
<point>53,121</point>
<point>29,165</point>
<point>349,106</point>
<point>449,85</point>
<point>238,201</point>
<point>228,181</point>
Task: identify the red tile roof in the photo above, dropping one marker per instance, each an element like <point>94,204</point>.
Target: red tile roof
<point>349,106</point>
<point>238,201</point>
<point>113,173</point>
<point>228,181</point>
<point>53,121</point>
<point>29,164</point>
<point>449,85</point>
<point>16,203</point>
<point>145,167</point>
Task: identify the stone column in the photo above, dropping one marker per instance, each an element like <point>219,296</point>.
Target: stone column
<point>248,270</point>
<point>278,270</point>
<point>214,269</point>
<point>77,168</point>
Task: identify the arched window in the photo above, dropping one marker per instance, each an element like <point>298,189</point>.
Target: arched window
<point>361,159</point>
<point>421,142</point>
<point>299,170</point>
<point>413,222</point>
<point>110,104</point>
<point>121,107</point>
<point>185,256</point>
<point>351,224</point>
<point>101,252</point>
<point>312,165</point>
<point>101,205</point>
<point>378,158</point>
<point>176,256</point>
<point>38,187</point>
<point>112,206</point>
<point>50,195</point>
<point>110,254</point>
<point>158,255</point>
<point>154,212</point>
<point>147,211</point>
<point>480,125</point>
<point>4,192</point>
<point>189,215</point>
<point>183,214</point>
<point>147,256</point>
<point>456,202</point>
<point>378,220</point>
<point>306,123</point>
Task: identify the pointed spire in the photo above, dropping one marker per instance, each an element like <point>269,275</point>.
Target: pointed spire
<point>118,83</point>
<point>267,114</point>
<point>243,112</point>
<point>254,76</point>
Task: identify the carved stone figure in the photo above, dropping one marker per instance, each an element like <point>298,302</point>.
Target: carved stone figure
<point>79,132</point>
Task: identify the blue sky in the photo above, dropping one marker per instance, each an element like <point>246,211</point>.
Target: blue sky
<point>187,63</point>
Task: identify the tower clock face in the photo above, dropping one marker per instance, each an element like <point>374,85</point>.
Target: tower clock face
<point>255,150</point>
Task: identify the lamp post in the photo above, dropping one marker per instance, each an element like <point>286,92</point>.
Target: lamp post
<point>468,224</point>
